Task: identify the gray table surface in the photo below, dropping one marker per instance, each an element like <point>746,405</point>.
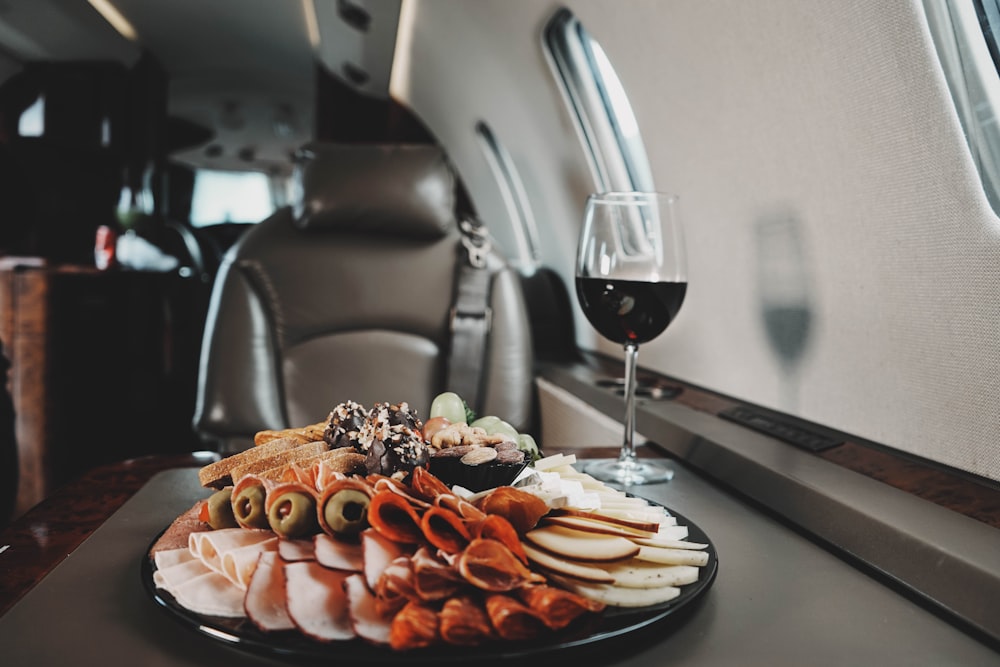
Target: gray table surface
<point>778,599</point>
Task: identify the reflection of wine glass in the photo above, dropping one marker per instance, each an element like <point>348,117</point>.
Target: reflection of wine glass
<point>631,278</point>
<point>783,285</point>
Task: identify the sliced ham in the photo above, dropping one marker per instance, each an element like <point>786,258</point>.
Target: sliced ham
<point>366,622</point>
<point>317,603</point>
<point>169,557</point>
<point>211,545</point>
<point>265,603</point>
<point>210,594</point>
<point>378,551</point>
<point>296,550</point>
<point>171,576</point>
<point>338,554</point>
<point>239,564</point>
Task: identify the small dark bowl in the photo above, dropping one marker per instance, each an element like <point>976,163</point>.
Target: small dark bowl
<point>475,478</point>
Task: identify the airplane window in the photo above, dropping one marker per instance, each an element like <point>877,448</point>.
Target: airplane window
<point>230,196</point>
<point>966,35</point>
<point>515,199</point>
<point>32,120</point>
<point>600,107</point>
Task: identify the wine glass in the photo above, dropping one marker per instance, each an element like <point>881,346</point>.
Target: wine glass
<point>631,278</point>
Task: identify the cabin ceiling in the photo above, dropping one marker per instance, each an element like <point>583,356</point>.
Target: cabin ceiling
<point>243,68</point>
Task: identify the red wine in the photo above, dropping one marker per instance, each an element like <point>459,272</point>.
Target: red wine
<point>629,310</point>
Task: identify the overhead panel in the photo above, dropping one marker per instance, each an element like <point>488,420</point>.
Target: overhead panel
<point>357,40</point>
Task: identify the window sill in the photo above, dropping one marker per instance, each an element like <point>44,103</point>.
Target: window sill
<point>929,532</point>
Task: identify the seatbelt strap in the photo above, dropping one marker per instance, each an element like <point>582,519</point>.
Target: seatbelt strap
<point>471,315</point>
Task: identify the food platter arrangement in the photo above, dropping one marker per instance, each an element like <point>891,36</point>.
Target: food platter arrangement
<point>375,535</point>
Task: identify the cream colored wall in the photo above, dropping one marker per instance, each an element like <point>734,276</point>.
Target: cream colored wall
<point>831,120</point>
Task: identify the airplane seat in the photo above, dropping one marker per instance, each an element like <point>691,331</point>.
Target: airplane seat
<point>550,309</point>
<point>348,294</point>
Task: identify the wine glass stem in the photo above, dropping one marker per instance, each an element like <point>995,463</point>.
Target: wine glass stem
<point>628,447</point>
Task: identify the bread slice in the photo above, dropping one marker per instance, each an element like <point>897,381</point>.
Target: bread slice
<point>257,465</point>
<point>304,434</point>
<point>343,459</point>
<point>219,474</point>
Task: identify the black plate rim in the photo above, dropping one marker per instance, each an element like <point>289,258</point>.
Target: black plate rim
<point>614,623</point>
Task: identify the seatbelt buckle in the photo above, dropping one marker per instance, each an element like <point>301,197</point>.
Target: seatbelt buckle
<point>477,244</point>
<point>486,315</point>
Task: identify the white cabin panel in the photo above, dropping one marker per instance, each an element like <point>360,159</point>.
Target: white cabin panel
<point>824,180</point>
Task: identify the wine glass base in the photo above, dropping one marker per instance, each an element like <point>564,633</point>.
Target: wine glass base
<point>628,472</point>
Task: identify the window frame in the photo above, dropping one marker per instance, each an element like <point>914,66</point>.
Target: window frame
<point>598,105</point>
<point>515,198</point>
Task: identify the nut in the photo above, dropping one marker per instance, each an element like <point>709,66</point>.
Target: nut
<point>479,455</point>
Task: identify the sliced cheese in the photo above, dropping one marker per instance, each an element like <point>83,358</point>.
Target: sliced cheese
<point>672,556</point>
<point>640,574</point>
<point>570,568</point>
<point>661,541</point>
<point>581,545</point>
<point>591,525</point>
<point>619,596</point>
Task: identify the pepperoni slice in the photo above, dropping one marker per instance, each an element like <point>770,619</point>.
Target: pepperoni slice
<point>495,527</point>
<point>445,530</point>
<point>394,517</point>
<point>427,484</point>
<point>512,619</point>
<point>415,626</point>
<point>464,622</point>
<point>557,607</point>
<point>521,508</point>
<point>460,506</point>
<point>489,565</point>
<point>434,578</point>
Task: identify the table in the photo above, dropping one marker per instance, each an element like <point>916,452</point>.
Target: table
<point>779,598</point>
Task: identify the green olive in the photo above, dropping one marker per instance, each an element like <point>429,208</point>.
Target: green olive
<point>293,515</point>
<point>220,509</point>
<point>346,512</point>
<point>248,507</point>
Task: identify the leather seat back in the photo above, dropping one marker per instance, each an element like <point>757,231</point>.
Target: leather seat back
<point>346,295</point>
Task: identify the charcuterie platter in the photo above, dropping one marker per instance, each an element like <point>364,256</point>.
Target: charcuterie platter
<point>613,623</point>
<point>329,558</point>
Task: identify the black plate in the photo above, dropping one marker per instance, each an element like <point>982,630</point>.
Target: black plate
<point>613,623</point>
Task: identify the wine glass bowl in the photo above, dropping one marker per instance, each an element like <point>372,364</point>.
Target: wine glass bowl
<point>631,280</point>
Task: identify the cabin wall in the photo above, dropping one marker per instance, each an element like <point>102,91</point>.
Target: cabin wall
<point>825,184</point>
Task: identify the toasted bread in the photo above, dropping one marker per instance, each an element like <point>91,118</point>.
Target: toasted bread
<point>219,474</point>
<point>343,459</point>
<point>257,465</point>
<point>304,434</point>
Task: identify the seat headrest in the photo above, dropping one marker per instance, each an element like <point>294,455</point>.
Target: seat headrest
<point>404,190</point>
